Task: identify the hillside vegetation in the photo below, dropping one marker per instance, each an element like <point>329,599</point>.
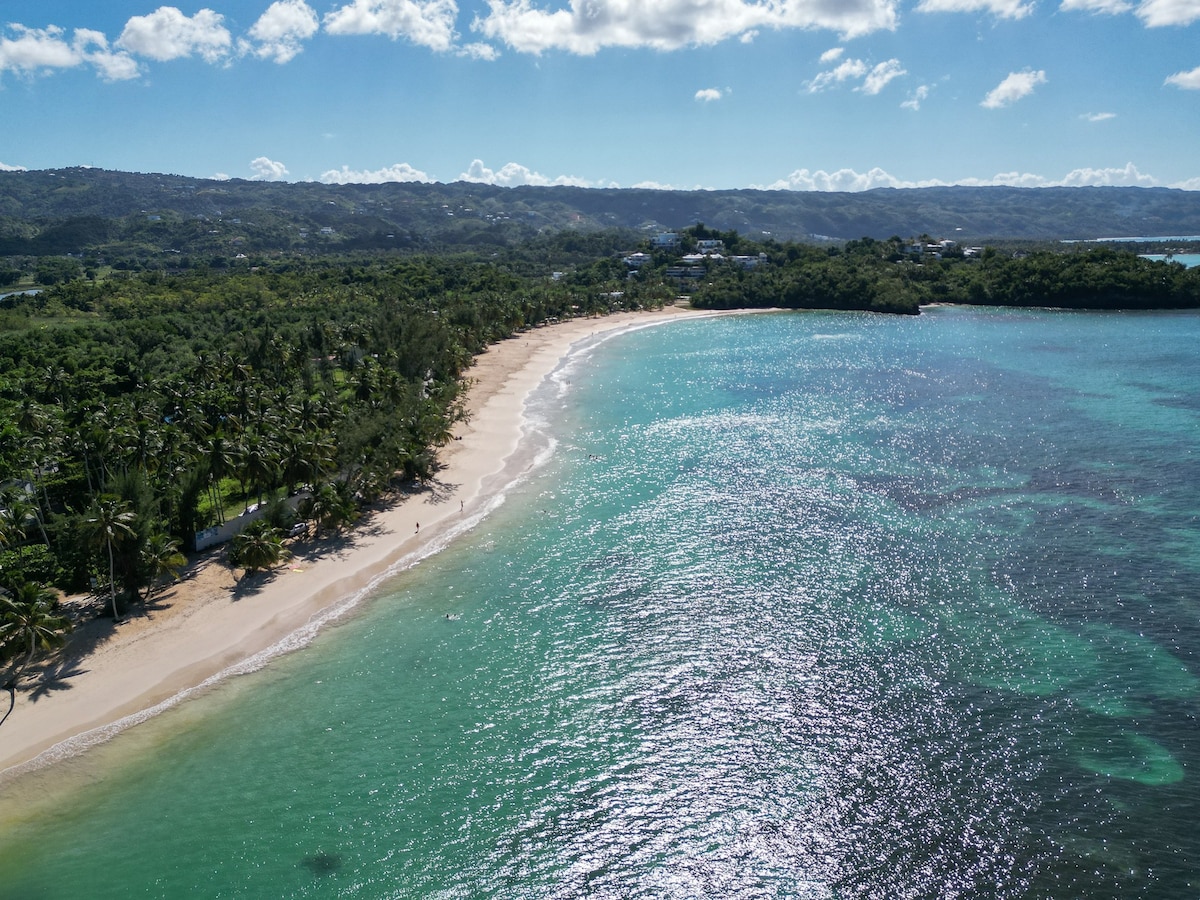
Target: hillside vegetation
<point>91,210</point>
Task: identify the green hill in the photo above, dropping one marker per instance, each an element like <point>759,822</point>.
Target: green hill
<point>90,210</point>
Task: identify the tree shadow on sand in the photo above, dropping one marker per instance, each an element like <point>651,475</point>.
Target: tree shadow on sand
<point>56,676</point>
<point>41,679</point>
<point>437,491</point>
<point>252,584</point>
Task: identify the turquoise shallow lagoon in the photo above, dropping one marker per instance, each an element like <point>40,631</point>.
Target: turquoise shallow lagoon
<point>1186,259</point>
<point>817,605</point>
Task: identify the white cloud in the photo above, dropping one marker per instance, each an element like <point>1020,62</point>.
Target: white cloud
<point>1098,117</point>
<point>878,78</point>
<point>427,23</point>
<point>831,54</point>
<point>268,170</point>
<point>5,167</point>
<point>1191,184</point>
<point>708,95</point>
<point>1013,88</point>
<point>1153,13</point>
<point>112,65</point>
<point>874,78</point>
<point>1009,179</point>
<point>513,174</point>
<point>851,68</point>
<point>841,180</point>
<point>1108,7</point>
<point>850,180</point>
<point>479,51</point>
<point>587,26</point>
<point>32,50</point>
<point>1002,9</point>
<point>1187,80</point>
<point>1157,13</point>
<point>655,186</point>
<point>281,30</point>
<point>1129,176</point>
<point>916,98</point>
<point>37,48</point>
<point>398,172</point>
<point>168,34</point>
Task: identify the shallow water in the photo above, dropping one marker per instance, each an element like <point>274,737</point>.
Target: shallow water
<point>804,605</point>
<point>1190,260</point>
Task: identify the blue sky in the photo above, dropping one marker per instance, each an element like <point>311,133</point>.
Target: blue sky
<point>793,94</point>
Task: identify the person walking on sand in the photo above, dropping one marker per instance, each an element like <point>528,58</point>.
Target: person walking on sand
<point>418,526</point>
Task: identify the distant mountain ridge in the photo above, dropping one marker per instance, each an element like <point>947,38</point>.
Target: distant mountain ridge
<point>71,210</point>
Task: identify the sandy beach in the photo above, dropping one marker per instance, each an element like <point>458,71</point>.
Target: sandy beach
<point>213,623</point>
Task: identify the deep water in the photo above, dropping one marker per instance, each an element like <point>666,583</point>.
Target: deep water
<point>813,605</point>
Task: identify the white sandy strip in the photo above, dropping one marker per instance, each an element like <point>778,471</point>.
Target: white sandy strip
<point>206,630</point>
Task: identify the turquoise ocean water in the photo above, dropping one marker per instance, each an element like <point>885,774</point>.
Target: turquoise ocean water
<point>1190,260</point>
<point>819,605</point>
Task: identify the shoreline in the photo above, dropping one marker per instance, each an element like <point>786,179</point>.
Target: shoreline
<point>212,625</point>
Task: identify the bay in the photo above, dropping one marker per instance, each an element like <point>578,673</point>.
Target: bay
<point>802,605</point>
<point>1189,260</point>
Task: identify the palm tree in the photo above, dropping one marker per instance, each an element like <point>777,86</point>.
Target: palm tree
<point>53,382</point>
<point>313,414</point>
<point>17,514</point>
<point>187,489</point>
<point>28,623</point>
<point>257,546</point>
<point>433,427</point>
<point>221,456</point>
<point>98,438</point>
<point>146,439</point>
<point>161,557</point>
<point>294,466</point>
<point>331,505</point>
<point>258,465</point>
<point>207,370</point>
<point>322,454</point>
<point>108,524</point>
<point>39,426</point>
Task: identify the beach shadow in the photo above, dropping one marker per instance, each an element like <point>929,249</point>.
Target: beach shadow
<point>92,626</point>
<point>252,585</point>
<point>439,491</point>
<point>334,544</point>
<point>55,677</point>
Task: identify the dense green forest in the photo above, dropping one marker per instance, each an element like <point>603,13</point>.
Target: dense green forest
<point>140,405</point>
<point>892,276</point>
